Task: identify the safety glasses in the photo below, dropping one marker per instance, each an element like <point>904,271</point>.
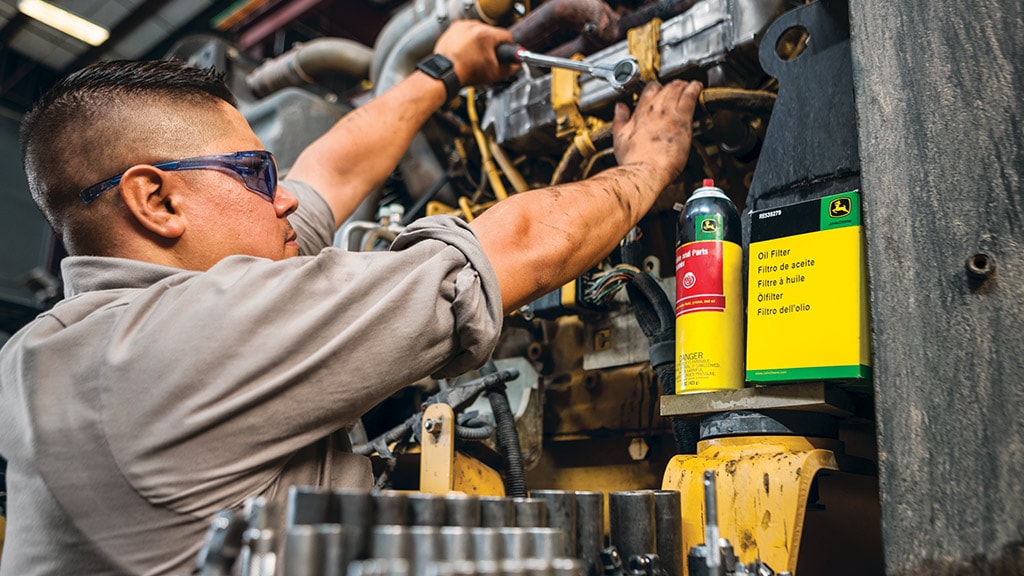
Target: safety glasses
<point>256,169</point>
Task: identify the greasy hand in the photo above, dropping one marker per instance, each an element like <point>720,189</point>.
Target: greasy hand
<point>470,46</point>
<point>657,135</point>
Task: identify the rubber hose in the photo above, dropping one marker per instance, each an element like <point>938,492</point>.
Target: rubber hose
<point>758,102</point>
<point>656,317</point>
<point>397,433</point>
<point>685,432</point>
<point>420,204</point>
<point>474,433</point>
<point>507,436</point>
<point>711,100</point>
<point>572,161</point>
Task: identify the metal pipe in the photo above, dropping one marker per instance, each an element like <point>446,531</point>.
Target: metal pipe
<point>537,566</point>
<point>343,239</point>
<point>462,510</point>
<point>303,551</point>
<point>389,35</point>
<point>668,516</point>
<point>457,542</point>
<point>631,516</point>
<point>259,556</point>
<point>487,544</point>
<point>417,42</point>
<point>488,567</point>
<point>590,531</point>
<point>548,543</point>
<point>333,541</point>
<point>427,547</point>
<point>391,541</point>
<point>556,21</point>
<point>313,550</point>
<point>391,507</point>
<point>516,543</point>
<point>493,175</point>
<point>531,512</point>
<point>561,505</point>
<point>354,510</point>
<point>507,167</point>
<point>380,567</point>
<point>513,567</point>
<point>427,510</point>
<point>420,168</point>
<point>566,567</point>
<point>588,43</point>
<point>306,62</point>
<point>711,524</point>
<point>497,511</point>
<point>308,505</point>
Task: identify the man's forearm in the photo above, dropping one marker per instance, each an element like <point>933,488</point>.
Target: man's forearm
<point>356,155</point>
<point>539,240</point>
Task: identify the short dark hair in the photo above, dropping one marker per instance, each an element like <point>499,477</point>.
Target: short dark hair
<point>70,127</point>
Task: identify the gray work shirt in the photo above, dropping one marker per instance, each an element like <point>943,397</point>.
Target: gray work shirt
<point>153,397</point>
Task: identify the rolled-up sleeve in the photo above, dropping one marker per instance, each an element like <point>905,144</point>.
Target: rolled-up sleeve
<point>476,303</point>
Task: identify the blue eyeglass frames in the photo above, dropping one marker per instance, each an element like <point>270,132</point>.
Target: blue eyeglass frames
<point>256,169</point>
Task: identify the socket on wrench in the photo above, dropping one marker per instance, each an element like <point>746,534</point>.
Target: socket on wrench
<point>623,76</point>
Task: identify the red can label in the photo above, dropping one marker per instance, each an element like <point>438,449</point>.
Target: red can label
<point>699,285</point>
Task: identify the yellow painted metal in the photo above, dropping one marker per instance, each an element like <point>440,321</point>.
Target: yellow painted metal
<point>762,483</point>
<point>491,11</point>
<point>467,208</point>
<point>472,476</point>
<point>565,101</point>
<point>442,468</point>
<point>507,167</point>
<point>493,175</point>
<point>437,450</point>
<point>3,530</point>
<point>434,208</point>
<point>643,45</point>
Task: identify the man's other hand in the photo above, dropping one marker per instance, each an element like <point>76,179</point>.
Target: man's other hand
<point>471,45</point>
<point>658,132</point>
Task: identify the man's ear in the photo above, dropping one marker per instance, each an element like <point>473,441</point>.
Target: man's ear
<point>154,201</point>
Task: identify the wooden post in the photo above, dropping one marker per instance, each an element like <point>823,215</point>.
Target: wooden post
<point>939,89</point>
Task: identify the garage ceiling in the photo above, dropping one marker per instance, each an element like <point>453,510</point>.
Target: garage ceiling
<point>33,55</point>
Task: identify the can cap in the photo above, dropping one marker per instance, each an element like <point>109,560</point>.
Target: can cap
<point>708,190</point>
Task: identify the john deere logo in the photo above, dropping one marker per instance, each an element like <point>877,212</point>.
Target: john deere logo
<point>709,225</point>
<point>839,207</point>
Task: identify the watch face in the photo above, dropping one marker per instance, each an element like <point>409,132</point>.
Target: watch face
<point>441,68</point>
<point>438,64</point>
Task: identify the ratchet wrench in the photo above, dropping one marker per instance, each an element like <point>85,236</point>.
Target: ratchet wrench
<point>623,76</point>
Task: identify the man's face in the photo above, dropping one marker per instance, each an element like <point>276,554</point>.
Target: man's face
<point>225,218</point>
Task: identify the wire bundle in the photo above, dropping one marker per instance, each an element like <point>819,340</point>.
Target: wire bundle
<point>604,286</point>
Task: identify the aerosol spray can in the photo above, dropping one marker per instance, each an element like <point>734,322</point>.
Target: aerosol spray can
<point>709,294</point>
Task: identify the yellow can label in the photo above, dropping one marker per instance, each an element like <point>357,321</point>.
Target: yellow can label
<point>709,316</point>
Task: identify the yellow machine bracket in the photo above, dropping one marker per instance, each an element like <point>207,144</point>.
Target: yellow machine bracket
<point>763,484</point>
<point>442,468</point>
<point>643,45</point>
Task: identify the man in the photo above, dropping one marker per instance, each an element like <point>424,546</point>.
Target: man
<point>195,361</point>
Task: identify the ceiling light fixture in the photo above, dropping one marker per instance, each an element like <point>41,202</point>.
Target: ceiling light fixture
<point>66,22</point>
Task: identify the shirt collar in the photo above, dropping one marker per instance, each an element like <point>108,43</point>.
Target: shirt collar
<point>90,273</point>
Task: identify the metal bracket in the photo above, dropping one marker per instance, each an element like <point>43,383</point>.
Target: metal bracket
<point>438,449</point>
<point>565,101</point>
<point>643,45</point>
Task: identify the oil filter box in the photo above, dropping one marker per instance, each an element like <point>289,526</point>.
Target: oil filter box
<point>807,312</point>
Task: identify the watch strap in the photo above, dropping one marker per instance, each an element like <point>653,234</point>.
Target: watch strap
<point>441,68</point>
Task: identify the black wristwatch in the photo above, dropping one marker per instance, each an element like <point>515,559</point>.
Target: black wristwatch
<point>441,68</point>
